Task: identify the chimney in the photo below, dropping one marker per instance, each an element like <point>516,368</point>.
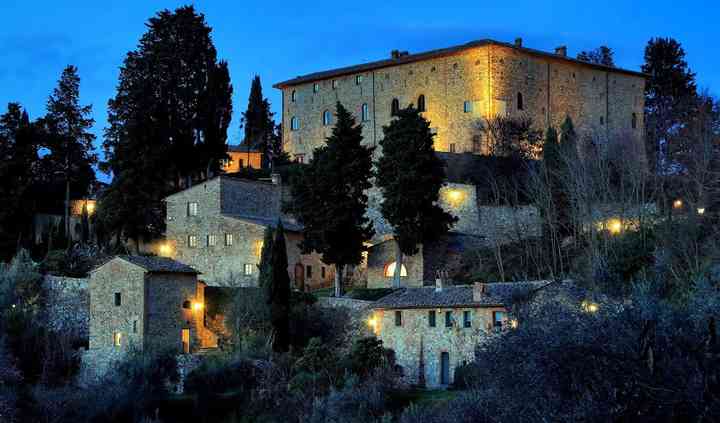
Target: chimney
<point>276,178</point>
<point>518,42</point>
<point>440,280</point>
<point>561,51</point>
<point>479,290</point>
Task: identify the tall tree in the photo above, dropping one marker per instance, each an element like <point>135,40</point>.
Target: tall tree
<point>602,55</point>
<point>329,197</point>
<point>266,264</point>
<point>410,175</point>
<point>670,98</point>
<point>18,161</point>
<point>278,292</point>
<point>257,121</point>
<point>66,133</point>
<point>167,122</point>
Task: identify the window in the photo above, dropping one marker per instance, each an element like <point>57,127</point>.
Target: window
<point>186,305</point>
<point>248,269</point>
<point>117,339</point>
<point>334,84</point>
<point>211,240</point>
<point>308,272</point>
<point>499,318</point>
<point>294,123</point>
<point>421,103</point>
<point>602,120</point>
<point>225,163</point>
<point>431,318</point>
<point>192,209</point>
<point>467,106</point>
<point>448,319</point>
<point>390,270</point>
<point>322,272</point>
<point>118,299</point>
<point>228,240</point>
<point>326,118</point>
<point>398,318</point>
<point>520,104</point>
<point>358,79</point>
<point>467,321</point>
<point>192,241</point>
<point>364,114</point>
<point>300,158</point>
<point>633,122</point>
<point>394,107</point>
<point>316,87</point>
<point>477,144</point>
<point>135,326</point>
<point>452,147</point>
<point>293,96</point>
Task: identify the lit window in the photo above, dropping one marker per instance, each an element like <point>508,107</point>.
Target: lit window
<point>248,269</point>
<point>358,79</point>
<point>390,270</point>
<point>364,113</point>
<point>398,318</point>
<point>300,158</point>
<point>499,318</point>
<point>467,106</point>
<point>431,318</point>
<point>192,241</point>
<point>421,103</point>
<point>211,240</point>
<point>192,209</point>
<point>448,319</point>
<point>326,118</point>
<point>294,123</point>
<point>467,319</point>
<point>118,299</point>
<point>225,163</point>
<point>394,107</point>
<point>334,84</point>
<point>258,248</point>
<point>228,240</point>
<point>633,122</point>
<point>520,104</point>
<point>316,87</point>
<point>293,96</point>
<point>308,272</point>
<point>117,339</point>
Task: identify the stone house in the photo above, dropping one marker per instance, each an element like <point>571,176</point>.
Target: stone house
<point>218,227</point>
<point>433,330</point>
<point>240,157</point>
<point>147,303</point>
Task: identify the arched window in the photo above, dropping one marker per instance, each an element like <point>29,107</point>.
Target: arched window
<point>394,107</point>
<point>421,103</point>
<point>293,96</point>
<point>294,123</point>
<point>634,121</point>
<point>520,104</point>
<point>364,113</point>
<point>390,270</point>
<point>326,118</point>
<point>186,304</point>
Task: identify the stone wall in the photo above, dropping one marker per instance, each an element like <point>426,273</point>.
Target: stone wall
<point>490,77</point>
<point>505,224</point>
<point>68,305</point>
<point>381,255</point>
<point>416,335</point>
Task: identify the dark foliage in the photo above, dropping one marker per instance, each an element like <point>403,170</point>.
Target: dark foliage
<point>278,293</point>
<point>602,55</point>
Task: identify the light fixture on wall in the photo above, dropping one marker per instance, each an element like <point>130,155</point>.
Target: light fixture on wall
<point>455,196</point>
<point>677,203</point>
<point>590,307</point>
<point>198,306</point>
<point>614,226</point>
<point>165,249</point>
<point>701,210</point>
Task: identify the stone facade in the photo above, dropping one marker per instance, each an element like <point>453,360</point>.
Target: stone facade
<point>461,86</point>
<point>240,157</point>
<point>68,304</point>
<point>223,236</point>
<point>132,306</point>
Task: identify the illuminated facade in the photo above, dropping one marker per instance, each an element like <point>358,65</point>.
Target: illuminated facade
<point>458,87</point>
<point>241,157</point>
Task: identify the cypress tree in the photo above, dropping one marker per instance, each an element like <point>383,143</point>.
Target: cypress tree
<point>279,293</point>
<point>266,265</point>
<point>257,121</point>
<point>329,197</point>
<point>408,162</point>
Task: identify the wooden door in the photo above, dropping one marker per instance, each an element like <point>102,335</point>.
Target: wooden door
<point>445,368</point>
<point>186,341</point>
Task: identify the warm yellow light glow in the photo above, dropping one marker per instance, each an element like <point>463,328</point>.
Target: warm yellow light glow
<point>258,248</point>
<point>90,206</point>
<point>390,270</point>
<point>117,339</point>
<point>455,197</point>
<point>701,210</point>
<point>677,204</point>
<point>514,323</point>
<point>372,322</point>
<point>614,226</point>
<point>197,306</point>
<point>165,250</point>
<point>590,307</point>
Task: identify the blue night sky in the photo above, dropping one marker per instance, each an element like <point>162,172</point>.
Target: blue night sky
<point>282,39</point>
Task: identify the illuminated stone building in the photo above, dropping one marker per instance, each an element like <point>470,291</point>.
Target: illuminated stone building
<point>240,157</point>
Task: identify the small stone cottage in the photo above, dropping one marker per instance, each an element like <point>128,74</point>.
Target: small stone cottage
<point>435,329</point>
<point>147,303</point>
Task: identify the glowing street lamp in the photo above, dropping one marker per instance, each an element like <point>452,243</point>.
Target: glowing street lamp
<point>198,306</point>
<point>677,203</point>
<point>614,226</point>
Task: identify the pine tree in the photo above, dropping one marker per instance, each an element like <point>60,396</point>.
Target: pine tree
<point>602,55</point>
<point>66,133</point>
<point>329,198</point>
<point>257,121</point>
<point>409,162</point>
<point>670,97</point>
<point>278,293</point>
